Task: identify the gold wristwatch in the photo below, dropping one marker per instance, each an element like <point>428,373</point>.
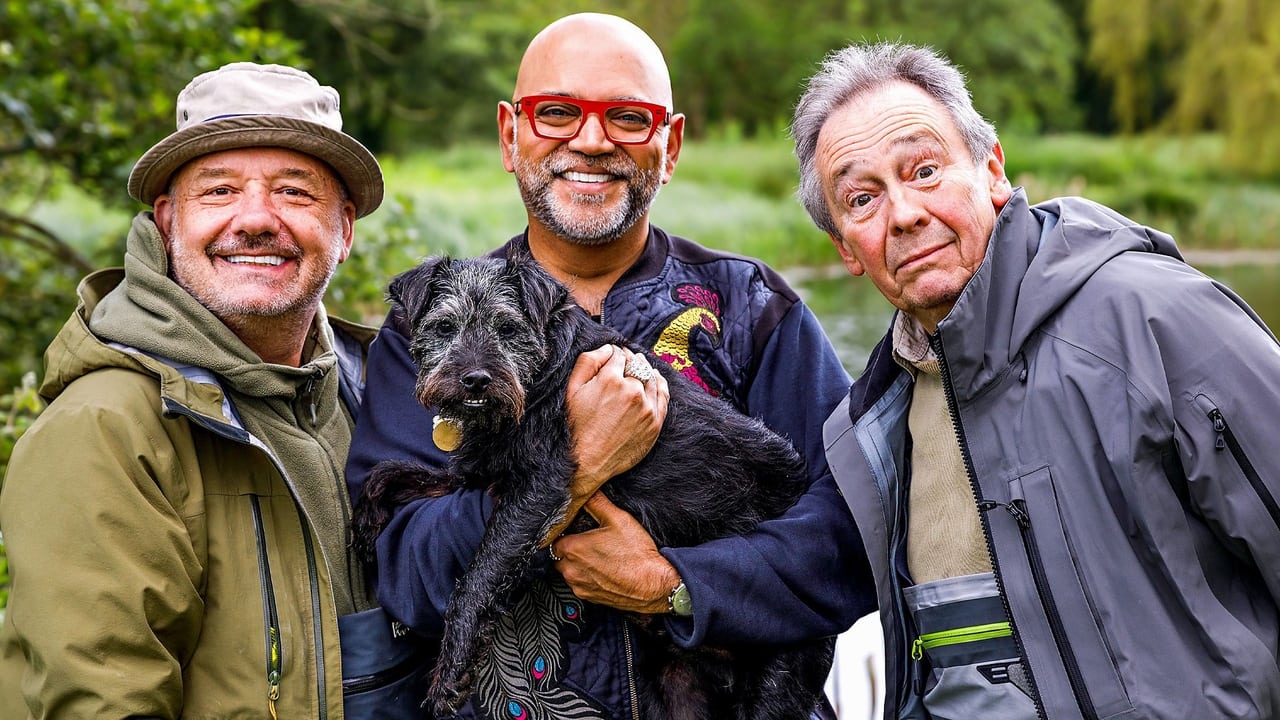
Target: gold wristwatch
<point>679,603</point>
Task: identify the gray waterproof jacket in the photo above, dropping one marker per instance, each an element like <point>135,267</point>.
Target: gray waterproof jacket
<point>1117,412</point>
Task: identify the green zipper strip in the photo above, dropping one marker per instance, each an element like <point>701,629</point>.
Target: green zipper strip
<point>973,633</point>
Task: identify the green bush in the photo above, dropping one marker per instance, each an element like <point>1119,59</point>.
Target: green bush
<point>20,409</point>
<point>4,578</point>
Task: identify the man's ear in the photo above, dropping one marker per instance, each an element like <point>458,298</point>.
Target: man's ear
<point>507,134</point>
<point>999,185</point>
<point>851,262</point>
<point>348,229</point>
<point>163,211</point>
<point>675,141</point>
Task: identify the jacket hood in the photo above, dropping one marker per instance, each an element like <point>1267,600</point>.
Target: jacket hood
<point>1030,270</point>
<point>76,352</point>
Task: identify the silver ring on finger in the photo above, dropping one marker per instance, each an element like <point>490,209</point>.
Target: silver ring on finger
<point>637,368</point>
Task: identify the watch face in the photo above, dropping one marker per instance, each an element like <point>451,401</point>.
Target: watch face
<point>681,603</point>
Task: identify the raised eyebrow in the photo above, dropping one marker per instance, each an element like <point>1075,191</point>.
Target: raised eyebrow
<point>843,171</point>
<point>913,140</point>
<point>919,139</point>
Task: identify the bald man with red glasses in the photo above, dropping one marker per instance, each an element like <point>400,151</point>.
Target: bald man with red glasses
<point>590,136</point>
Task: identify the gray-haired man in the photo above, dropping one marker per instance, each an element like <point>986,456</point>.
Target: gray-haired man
<point>1061,457</point>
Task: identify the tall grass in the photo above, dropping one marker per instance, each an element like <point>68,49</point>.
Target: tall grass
<point>1176,184</point>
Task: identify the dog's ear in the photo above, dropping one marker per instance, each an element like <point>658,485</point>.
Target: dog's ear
<point>410,292</point>
<point>542,296</point>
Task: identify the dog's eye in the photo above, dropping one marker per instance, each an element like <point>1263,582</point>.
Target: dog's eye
<point>444,328</point>
<point>506,331</point>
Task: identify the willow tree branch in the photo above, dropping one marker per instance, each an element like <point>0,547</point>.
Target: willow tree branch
<point>41,238</point>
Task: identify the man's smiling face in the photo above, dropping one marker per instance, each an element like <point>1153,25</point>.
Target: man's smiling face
<point>255,233</point>
<point>588,189</point>
<point>588,199</point>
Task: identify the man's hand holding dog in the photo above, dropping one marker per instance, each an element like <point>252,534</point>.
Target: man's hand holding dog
<point>614,420</point>
<point>616,564</point>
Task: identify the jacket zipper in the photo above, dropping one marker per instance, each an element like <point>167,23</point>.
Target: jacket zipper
<point>1079,688</point>
<point>905,625</point>
<point>242,436</point>
<point>316,623</point>
<point>631,675</point>
<point>382,678</point>
<point>275,655</point>
<point>308,397</point>
<point>1227,441</point>
<point>953,408</point>
<point>957,636</point>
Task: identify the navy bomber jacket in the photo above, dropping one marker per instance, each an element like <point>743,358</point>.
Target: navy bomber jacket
<point>733,326</point>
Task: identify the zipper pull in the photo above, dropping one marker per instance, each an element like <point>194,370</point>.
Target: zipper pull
<point>273,674</point>
<point>917,667</point>
<point>1017,509</point>
<point>1219,427</point>
<point>309,397</point>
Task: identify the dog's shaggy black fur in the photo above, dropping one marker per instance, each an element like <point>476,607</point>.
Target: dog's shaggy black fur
<point>495,342</point>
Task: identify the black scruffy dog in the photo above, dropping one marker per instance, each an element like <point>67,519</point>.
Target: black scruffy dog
<point>495,342</point>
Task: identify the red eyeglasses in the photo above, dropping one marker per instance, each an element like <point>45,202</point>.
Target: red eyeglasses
<point>625,122</point>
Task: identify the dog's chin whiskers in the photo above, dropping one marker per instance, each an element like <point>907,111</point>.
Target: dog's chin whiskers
<point>512,398</point>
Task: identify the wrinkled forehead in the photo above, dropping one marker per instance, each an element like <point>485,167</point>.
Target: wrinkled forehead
<point>874,125</point>
<point>595,61</point>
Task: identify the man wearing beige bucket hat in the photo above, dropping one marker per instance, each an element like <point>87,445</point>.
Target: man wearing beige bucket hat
<point>176,519</point>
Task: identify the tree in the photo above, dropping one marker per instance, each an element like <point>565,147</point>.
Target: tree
<point>1018,55</point>
<point>1132,45</point>
<point>1193,65</point>
<point>88,86</point>
<point>1230,79</point>
<point>742,65</point>
<point>746,62</point>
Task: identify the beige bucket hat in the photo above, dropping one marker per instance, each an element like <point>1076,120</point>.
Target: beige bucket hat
<point>245,105</point>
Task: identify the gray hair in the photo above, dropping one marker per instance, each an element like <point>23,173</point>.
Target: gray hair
<point>861,68</point>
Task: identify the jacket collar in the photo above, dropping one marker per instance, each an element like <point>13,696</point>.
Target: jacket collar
<point>1038,258</point>
<point>649,265</point>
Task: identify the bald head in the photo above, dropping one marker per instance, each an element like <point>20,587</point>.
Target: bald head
<point>594,56</point>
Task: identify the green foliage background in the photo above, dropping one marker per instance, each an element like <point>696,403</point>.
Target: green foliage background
<point>88,85</point>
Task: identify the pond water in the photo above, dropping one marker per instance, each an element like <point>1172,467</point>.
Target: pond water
<point>856,316</point>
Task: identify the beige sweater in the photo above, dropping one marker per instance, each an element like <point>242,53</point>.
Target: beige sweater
<point>944,532</point>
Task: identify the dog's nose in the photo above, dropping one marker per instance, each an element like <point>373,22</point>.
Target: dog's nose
<point>476,381</point>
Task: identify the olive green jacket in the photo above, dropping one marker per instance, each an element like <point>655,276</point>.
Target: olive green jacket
<point>176,519</point>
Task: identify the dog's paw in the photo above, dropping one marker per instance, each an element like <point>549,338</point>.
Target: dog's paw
<point>445,698</point>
